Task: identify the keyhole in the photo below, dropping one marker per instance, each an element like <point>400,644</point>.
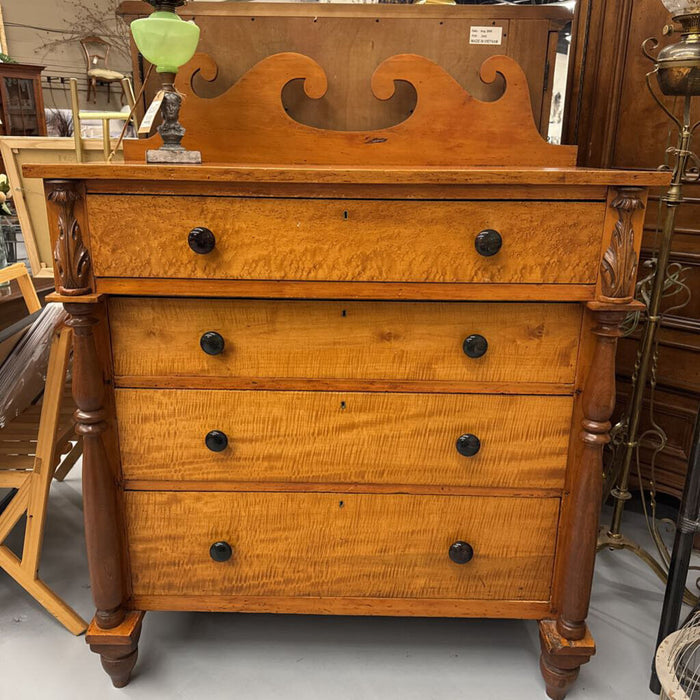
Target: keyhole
<point>343,405</point>
<point>345,214</point>
<point>343,313</point>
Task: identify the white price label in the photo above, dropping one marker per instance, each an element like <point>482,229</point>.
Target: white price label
<point>150,115</point>
<point>486,35</point>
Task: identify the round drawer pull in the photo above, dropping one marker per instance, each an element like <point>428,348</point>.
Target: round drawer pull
<point>201,240</point>
<point>488,242</point>
<point>222,551</point>
<point>475,346</point>
<point>461,552</point>
<point>468,445</point>
<point>216,441</point>
<point>212,343</point>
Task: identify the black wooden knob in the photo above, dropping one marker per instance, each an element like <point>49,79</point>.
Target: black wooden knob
<point>488,242</point>
<point>475,345</point>
<point>216,441</point>
<point>201,240</point>
<point>468,445</point>
<point>461,552</point>
<point>212,343</point>
<point>221,551</point>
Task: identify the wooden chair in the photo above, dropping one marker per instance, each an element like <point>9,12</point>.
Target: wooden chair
<point>98,71</point>
<point>31,447</point>
<point>106,117</point>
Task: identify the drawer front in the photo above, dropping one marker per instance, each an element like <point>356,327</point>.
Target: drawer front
<point>304,437</point>
<point>410,341</point>
<point>345,240</point>
<point>300,544</point>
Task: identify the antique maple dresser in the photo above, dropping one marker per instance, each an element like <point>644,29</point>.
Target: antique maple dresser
<point>346,373</point>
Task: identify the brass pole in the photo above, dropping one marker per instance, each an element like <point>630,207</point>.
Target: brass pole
<point>671,200</point>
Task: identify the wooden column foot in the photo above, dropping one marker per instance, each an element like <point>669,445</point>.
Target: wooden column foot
<point>561,658</point>
<point>117,647</point>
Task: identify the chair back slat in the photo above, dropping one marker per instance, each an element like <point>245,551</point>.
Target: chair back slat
<point>96,51</point>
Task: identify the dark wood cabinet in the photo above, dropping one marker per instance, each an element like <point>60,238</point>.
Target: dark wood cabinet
<point>21,101</point>
<point>617,124</point>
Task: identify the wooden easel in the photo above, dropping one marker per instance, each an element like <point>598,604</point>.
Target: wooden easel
<point>31,445</point>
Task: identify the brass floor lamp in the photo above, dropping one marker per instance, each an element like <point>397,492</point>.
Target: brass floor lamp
<point>677,71</point>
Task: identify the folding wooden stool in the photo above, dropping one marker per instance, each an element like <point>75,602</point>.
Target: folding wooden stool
<point>31,447</point>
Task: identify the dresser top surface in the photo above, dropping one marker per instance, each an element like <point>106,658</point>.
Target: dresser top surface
<point>395,175</point>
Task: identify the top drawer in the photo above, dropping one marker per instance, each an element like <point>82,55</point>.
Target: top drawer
<point>346,240</point>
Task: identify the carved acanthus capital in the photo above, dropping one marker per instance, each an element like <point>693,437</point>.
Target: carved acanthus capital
<point>71,257</point>
<point>619,265</point>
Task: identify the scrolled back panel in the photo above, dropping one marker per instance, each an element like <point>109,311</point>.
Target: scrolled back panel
<point>448,128</point>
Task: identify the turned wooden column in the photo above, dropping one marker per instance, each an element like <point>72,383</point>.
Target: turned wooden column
<point>114,631</point>
<point>587,491</point>
<point>102,531</point>
<point>566,642</point>
<point>74,284</point>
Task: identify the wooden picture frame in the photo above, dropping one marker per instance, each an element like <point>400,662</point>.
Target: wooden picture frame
<point>28,193</point>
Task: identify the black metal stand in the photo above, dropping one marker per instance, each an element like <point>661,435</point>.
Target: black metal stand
<point>686,528</point>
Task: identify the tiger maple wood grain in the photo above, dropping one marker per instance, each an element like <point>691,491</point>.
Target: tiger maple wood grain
<point>340,545</point>
<point>433,134</point>
<point>412,341</point>
<point>348,605</point>
<point>344,437</point>
<point>121,177</point>
<point>371,291</point>
<point>336,240</point>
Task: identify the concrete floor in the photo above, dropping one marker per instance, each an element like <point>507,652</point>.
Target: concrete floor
<point>267,657</point>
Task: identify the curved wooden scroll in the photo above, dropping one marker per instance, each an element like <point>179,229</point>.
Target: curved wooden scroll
<point>449,127</point>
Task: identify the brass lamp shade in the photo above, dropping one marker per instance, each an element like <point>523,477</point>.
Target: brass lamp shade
<point>679,64</point>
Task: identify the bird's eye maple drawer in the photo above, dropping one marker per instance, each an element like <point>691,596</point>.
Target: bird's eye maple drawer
<point>197,340</point>
<point>344,437</point>
<point>200,237</point>
<point>304,544</point>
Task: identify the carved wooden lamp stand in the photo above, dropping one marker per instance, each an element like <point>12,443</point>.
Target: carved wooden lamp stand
<point>677,69</point>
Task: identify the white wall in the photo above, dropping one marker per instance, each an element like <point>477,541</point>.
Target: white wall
<point>31,24</point>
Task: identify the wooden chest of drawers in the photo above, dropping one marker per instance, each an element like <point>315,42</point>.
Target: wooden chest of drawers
<point>338,390</point>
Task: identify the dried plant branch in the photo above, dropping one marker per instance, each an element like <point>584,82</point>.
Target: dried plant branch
<point>94,18</point>
<point>60,122</point>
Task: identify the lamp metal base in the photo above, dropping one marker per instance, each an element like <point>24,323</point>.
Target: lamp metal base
<point>171,156</point>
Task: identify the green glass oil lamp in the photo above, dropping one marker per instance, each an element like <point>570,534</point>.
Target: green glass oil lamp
<point>168,42</point>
